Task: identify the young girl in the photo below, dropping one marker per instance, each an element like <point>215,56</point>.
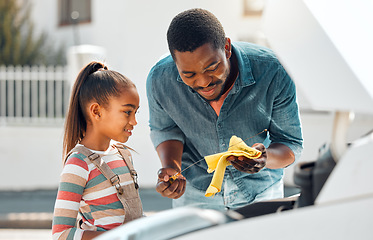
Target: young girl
<point>98,179</point>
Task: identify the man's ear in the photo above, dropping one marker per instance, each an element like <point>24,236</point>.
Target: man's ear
<point>95,111</point>
<point>228,47</point>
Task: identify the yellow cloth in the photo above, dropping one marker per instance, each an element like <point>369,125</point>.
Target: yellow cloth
<point>218,162</point>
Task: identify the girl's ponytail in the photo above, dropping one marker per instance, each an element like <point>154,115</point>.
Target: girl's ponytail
<point>94,83</point>
<point>75,123</point>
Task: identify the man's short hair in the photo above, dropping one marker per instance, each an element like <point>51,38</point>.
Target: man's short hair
<point>193,28</point>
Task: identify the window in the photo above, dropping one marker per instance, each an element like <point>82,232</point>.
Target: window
<point>253,7</point>
<point>74,12</point>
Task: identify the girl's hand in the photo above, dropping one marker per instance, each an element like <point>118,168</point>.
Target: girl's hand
<point>249,165</point>
<point>171,189</point>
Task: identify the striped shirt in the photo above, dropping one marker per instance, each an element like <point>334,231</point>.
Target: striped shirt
<point>84,189</point>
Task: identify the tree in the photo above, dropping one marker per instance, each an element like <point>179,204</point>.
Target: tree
<point>18,45</point>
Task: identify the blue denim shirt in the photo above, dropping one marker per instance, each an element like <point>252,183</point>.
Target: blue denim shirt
<point>263,97</point>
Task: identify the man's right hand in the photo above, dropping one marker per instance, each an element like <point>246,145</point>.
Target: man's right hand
<point>172,190</point>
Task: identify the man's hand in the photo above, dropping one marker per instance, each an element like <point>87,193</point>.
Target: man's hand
<point>249,165</point>
<point>164,186</point>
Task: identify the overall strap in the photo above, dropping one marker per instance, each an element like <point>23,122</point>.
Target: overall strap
<point>102,166</point>
<point>126,156</point>
<point>127,194</point>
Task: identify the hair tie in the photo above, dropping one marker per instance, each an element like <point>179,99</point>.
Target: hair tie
<point>98,67</point>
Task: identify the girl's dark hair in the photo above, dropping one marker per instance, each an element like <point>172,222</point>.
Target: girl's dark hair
<point>94,83</point>
<point>193,28</point>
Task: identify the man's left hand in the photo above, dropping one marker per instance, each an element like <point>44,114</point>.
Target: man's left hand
<point>249,165</point>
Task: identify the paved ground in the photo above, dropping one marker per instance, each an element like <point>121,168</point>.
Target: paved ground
<point>27,215</point>
<point>43,201</point>
<point>25,234</point>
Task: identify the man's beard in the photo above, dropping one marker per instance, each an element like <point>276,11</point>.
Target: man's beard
<point>210,85</point>
<point>221,91</point>
<point>218,82</point>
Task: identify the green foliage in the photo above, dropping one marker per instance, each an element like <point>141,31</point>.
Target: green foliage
<point>18,43</point>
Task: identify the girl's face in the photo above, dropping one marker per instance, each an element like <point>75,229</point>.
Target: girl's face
<point>118,119</point>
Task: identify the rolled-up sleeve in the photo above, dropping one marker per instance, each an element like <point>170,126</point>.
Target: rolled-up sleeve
<point>162,127</point>
<point>285,125</point>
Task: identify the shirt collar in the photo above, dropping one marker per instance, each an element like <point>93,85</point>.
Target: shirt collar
<point>245,77</point>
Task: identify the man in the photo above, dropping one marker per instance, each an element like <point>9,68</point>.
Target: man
<point>208,90</point>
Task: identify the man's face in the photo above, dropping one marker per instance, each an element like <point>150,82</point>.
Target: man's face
<point>206,69</point>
